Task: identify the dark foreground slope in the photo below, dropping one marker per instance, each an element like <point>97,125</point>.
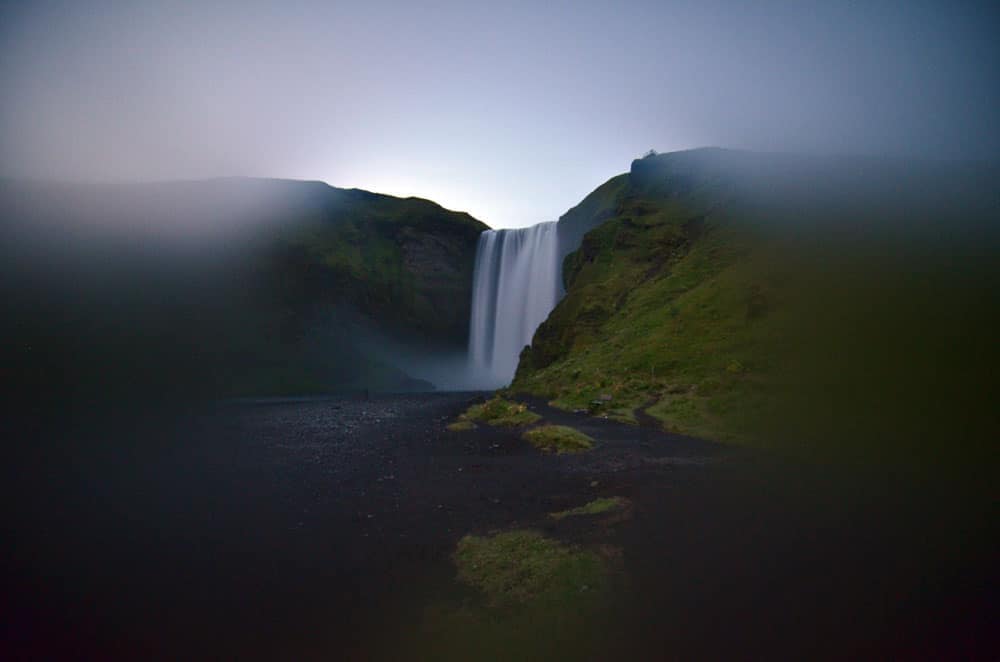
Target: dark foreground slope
<point>328,529</point>
<point>816,304</point>
<point>224,287</point>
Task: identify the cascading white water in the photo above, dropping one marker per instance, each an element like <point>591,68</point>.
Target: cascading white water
<point>516,283</point>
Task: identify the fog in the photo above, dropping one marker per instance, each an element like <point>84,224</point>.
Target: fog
<point>509,112</point>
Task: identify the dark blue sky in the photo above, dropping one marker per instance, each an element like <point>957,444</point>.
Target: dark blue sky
<point>511,111</point>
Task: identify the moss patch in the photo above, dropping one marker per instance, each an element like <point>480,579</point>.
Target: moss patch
<point>595,507</point>
<point>558,439</point>
<point>541,600</point>
<point>461,425</point>
<point>521,566</point>
<point>499,412</point>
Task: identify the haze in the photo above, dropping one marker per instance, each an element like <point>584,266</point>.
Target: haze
<point>511,112</point>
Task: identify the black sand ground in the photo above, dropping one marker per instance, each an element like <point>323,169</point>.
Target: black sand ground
<point>319,529</point>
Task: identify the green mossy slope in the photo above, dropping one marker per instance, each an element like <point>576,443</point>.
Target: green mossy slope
<point>226,287</point>
<point>406,263</point>
<point>780,301</point>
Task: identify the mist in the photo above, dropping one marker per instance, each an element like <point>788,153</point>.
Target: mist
<point>507,113</point>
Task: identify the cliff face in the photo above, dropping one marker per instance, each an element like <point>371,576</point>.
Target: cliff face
<point>779,300</point>
<point>405,264</point>
<point>227,287</point>
<point>598,207</point>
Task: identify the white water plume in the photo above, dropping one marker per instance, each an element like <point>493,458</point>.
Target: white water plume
<point>516,284</point>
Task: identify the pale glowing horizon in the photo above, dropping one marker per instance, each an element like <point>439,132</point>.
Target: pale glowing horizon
<point>511,113</point>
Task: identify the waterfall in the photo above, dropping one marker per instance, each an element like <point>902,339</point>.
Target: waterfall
<point>516,283</point>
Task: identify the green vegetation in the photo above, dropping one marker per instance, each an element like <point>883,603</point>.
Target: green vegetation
<point>536,598</point>
<point>499,412</point>
<point>656,314</point>
<point>521,566</point>
<point>296,288</point>
<point>782,302</point>
<point>595,507</point>
<point>461,426</point>
<point>406,263</point>
<point>344,271</point>
<point>558,439</point>
<point>672,341</point>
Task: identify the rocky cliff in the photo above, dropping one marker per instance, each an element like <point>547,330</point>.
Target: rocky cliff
<point>404,264</point>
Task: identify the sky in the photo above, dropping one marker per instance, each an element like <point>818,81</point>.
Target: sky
<point>511,111</point>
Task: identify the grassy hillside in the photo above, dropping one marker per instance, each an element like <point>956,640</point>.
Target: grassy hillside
<point>224,287</point>
<point>812,305</point>
<point>599,206</point>
<point>406,263</point>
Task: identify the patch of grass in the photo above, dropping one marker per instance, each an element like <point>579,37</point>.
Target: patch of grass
<point>668,292</point>
<point>542,599</point>
<point>523,566</point>
<point>461,426</point>
<point>684,413</point>
<point>595,507</point>
<point>558,439</point>
<point>637,354</point>
<point>499,412</point>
